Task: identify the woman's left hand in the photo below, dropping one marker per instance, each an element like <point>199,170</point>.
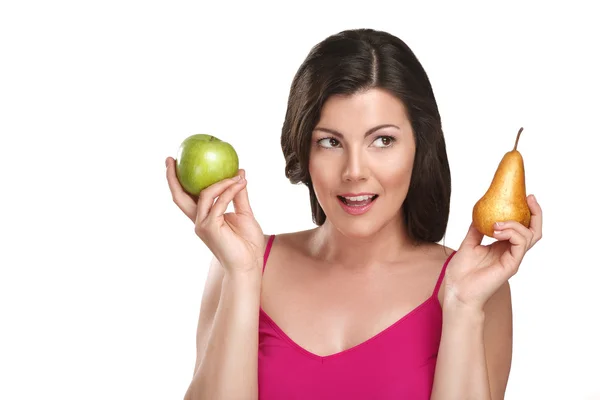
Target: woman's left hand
<point>477,271</point>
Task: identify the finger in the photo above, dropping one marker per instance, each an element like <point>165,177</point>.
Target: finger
<point>207,196</point>
<point>535,225</point>
<point>516,239</point>
<point>241,203</point>
<point>517,226</point>
<point>220,206</point>
<point>183,200</point>
<point>473,238</point>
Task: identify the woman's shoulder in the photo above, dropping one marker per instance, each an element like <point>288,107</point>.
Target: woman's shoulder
<point>299,241</point>
<point>434,252</point>
<point>294,239</point>
<point>440,252</point>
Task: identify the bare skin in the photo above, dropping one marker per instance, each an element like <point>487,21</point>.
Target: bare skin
<point>348,303</point>
<point>355,275</point>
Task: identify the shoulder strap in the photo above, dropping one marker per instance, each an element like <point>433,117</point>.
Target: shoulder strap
<point>267,251</point>
<point>442,273</point>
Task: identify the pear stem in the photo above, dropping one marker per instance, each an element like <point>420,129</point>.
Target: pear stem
<point>517,140</point>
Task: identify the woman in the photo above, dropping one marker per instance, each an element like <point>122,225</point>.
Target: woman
<point>367,305</point>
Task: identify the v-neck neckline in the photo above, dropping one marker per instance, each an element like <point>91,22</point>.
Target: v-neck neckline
<point>283,335</point>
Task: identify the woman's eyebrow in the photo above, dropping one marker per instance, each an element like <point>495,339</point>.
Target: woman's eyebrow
<point>367,133</point>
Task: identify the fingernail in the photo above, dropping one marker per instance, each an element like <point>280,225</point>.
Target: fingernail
<point>497,232</point>
<point>499,223</point>
<point>237,177</point>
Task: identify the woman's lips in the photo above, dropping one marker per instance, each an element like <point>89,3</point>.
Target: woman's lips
<point>357,204</point>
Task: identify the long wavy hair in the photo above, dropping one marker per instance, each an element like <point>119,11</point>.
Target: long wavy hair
<point>356,60</point>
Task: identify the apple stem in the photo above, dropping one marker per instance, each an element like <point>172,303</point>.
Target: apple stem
<point>517,140</point>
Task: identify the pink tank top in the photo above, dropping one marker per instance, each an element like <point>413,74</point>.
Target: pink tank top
<point>397,363</point>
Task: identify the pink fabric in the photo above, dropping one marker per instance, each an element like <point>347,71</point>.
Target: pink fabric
<point>397,363</point>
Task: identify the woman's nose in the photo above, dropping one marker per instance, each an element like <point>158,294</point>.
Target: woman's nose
<point>355,168</point>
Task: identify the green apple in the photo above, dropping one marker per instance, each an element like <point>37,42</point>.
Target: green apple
<point>203,160</point>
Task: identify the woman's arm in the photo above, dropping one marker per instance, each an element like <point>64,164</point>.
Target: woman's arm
<point>227,332</point>
<point>475,352</point>
<point>227,337</point>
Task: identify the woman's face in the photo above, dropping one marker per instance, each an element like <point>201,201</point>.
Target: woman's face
<point>361,161</point>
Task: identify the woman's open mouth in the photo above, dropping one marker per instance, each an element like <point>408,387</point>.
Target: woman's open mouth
<point>356,205</point>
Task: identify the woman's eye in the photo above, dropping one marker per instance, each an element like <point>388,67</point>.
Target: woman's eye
<point>328,142</point>
<point>384,141</point>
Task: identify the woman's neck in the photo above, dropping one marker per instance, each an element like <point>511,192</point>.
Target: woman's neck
<point>387,245</point>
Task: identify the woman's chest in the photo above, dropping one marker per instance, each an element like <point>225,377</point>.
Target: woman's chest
<point>328,314</point>
<point>396,362</point>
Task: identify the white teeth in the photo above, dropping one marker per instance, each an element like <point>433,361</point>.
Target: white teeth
<point>359,198</point>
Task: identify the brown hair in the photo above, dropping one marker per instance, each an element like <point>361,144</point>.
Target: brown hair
<point>355,60</point>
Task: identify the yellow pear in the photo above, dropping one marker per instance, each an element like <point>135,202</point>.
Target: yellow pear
<point>506,198</point>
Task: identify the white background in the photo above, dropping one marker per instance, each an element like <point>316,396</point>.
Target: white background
<point>101,274</point>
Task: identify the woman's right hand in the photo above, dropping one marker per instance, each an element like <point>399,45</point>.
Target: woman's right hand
<point>236,239</point>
